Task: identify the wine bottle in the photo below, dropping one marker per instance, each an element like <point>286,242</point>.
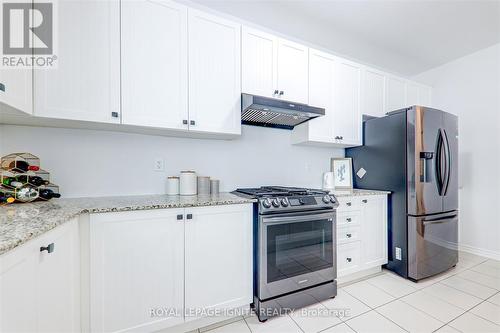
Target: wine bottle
<point>23,166</point>
<point>26,194</point>
<point>33,180</point>
<point>47,194</point>
<point>12,182</point>
<point>6,198</point>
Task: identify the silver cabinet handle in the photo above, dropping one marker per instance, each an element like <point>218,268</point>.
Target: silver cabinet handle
<point>348,259</point>
<point>348,203</point>
<point>348,219</point>
<point>184,122</point>
<point>282,93</point>
<point>348,235</point>
<point>192,123</point>
<point>364,201</point>
<point>49,248</point>
<point>115,114</point>
<point>276,92</point>
<point>2,87</point>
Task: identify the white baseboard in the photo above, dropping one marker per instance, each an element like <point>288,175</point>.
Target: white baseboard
<point>480,252</point>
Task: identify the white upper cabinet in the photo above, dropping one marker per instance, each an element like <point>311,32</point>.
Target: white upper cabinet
<point>425,96</point>
<point>347,110</point>
<point>292,78</point>
<point>214,74</point>
<point>373,93</point>
<point>412,90</point>
<point>154,64</point>
<point>395,93</point>
<point>274,67</point>
<point>259,63</point>
<point>86,84</point>
<point>16,89</point>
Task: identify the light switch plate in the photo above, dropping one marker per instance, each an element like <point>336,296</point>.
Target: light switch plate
<point>159,165</point>
<point>398,253</point>
<point>361,173</point>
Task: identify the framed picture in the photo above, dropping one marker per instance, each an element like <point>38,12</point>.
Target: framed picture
<point>342,173</point>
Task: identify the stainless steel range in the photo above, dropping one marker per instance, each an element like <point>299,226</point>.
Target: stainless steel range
<point>294,248</point>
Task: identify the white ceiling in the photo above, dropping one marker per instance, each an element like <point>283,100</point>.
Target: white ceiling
<point>406,37</point>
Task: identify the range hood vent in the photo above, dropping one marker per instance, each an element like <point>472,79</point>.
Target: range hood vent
<point>272,112</point>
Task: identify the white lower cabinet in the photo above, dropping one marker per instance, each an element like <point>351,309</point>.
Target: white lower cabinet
<point>151,270</point>
<point>361,234</point>
<point>40,290</point>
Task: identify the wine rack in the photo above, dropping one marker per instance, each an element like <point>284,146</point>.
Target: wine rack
<point>23,180</point>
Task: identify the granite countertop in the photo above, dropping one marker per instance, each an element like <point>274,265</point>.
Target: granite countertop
<point>357,192</point>
<point>21,222</point>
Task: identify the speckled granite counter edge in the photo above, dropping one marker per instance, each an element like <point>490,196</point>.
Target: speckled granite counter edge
<point>358,192</point>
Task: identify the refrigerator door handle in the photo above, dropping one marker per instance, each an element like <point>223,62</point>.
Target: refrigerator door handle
<point>447,159</point>
<point>438,162</point>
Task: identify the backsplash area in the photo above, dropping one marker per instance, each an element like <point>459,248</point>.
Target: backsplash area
<point>99,163</point>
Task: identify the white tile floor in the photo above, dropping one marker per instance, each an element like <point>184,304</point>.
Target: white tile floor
<point>464,299</point>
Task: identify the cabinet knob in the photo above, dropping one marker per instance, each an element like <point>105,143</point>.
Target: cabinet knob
<point>114,114</point>
<point>364,201</point>
<point>189,216</point>
<point>184,122</point>
<point>282,93</point>
<point>348,219</point>
<point>192,122</point>
<point>348,203</point>
<point>49,248</point>
<point>348,259</point>
<point>180,217</point>
<point>2,87</point>
<point>276,92</point>
<point>348,235</point>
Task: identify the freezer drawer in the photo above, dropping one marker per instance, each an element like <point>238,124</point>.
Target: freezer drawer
<point>432,244</point>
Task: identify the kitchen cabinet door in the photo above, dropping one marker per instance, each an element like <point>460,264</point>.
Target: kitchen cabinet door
<point>373,93</point>
<point>395,94</point>
<point>292,79</point>
<point>425,96</point>
<point>18,294</point>
<point>412,94</point>
<point>218,257</point>
<point>154,64</point>
<point>58,280</point>
<point>136,266</point>
<point>214,74</point>
<point>258,62</point>
<point>374,230</point>
<point>86,84</point>
<point>347,119</point>
<point>16,89</point>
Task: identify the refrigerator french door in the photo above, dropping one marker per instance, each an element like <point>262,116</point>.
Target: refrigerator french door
<point>413,153</point>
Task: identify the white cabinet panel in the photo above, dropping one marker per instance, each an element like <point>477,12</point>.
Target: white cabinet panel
<point>214,74</point>
<point>154,64</point>
<point>347,113</point>
<point>86,84</point>
<point>395,94</point>
<point>374,230</point>
<point>16,89</point>
<point>136,261</point>
<point>259,62</point>
<point>292,77</point>
<point>373,93</point>
<point>412,94</point>
<point>218,258</point>
<point>425,96</point>
<point>321,94</point>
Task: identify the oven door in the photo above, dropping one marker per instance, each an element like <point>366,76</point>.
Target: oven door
<point>297,250</point>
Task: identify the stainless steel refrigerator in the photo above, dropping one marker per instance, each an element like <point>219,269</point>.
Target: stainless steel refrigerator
<point>413,153</point>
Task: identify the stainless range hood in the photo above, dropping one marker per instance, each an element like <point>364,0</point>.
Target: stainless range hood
<point>273,112</point>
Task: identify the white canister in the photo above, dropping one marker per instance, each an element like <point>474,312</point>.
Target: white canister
<point>173,185</point>
<point>203,185</point>
<point>188,183</point>
<point>214,186</point>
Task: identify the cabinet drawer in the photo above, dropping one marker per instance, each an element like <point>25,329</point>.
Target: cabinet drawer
<point>348,234</point>
<point>348,218</point>
<point>348,257</point>
<point>347,204</point>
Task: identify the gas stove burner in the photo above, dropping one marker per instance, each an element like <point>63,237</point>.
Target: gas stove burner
<point>275,191</point>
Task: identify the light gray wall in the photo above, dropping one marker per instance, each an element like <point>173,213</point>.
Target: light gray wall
<point>470,88</point>
<point>98,163</point>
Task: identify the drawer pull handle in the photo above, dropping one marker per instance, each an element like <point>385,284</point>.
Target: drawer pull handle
<point>2,87</point>
<point>348,204</point>
<point>348,219</point>
<point>180,217</point>
<point>348,235</point>
<point>49,248</point>
<point>365,201</point>
<point>348,259</point>
<point>189,216</point>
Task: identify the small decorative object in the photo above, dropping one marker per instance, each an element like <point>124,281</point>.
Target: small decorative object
<point>188,183</point>
<point>22,179</point>
<point>173,185</point>
<point>203,185</point>
<point>214,186</point>
<point>342,171</point>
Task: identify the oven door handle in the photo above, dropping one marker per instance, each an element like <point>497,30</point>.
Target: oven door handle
<point>298,218</point>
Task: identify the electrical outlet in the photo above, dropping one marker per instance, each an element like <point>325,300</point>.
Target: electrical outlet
<point>398,253</point>
<point>159,165</point>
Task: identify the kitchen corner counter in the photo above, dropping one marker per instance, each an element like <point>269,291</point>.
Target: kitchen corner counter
<point>358,192</point>
<point>20,223</point>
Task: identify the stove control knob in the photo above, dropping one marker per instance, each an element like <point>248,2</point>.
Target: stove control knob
<point>276,203</point>
<point>284,202</point>
<point>266,203</point>
<point>332,199</point>
<point>326,199</point>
